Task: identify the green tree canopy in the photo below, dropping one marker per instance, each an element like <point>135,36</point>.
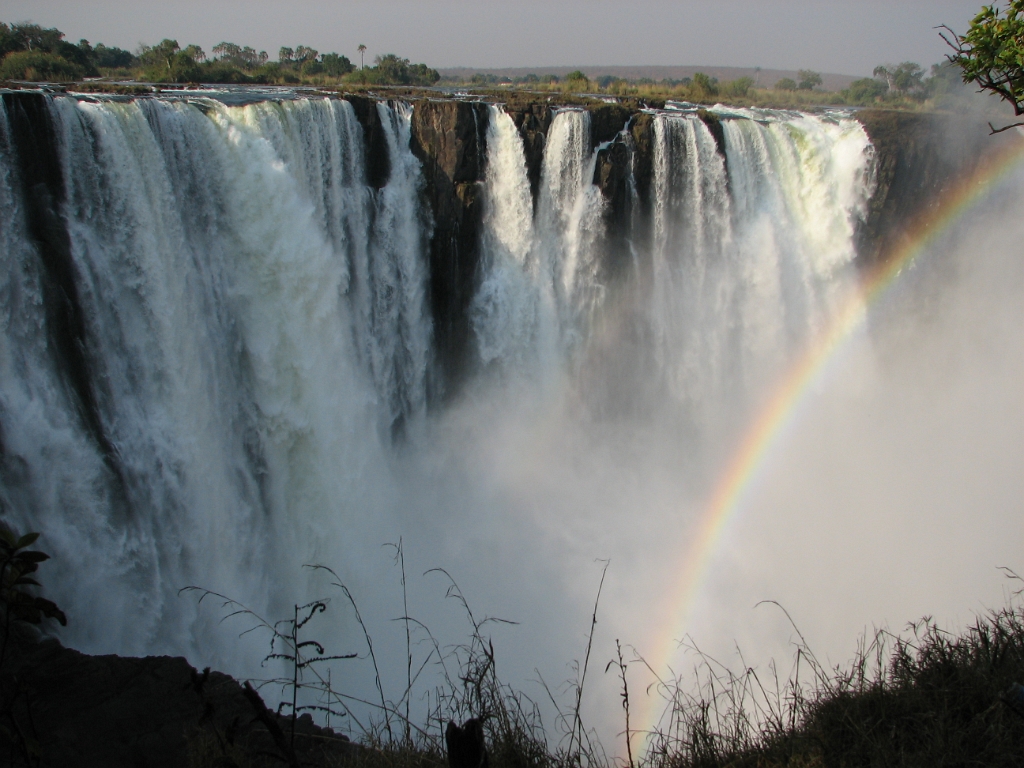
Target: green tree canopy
<point>336,65</point>
<point>864,91</point>
<point>39,66</point>
<point>786,84</point>
<point>31,38</point>
<point>904,78</point>
<point>237,56</point>
<point>739,87</point>
<point>112,57</point>
<point>705,85</point>
<point>392,70</point>
<point>166,62</point>
<point>991,54</point>
<point>808,79</point>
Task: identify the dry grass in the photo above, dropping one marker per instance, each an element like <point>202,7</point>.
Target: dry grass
<point>924,697</point>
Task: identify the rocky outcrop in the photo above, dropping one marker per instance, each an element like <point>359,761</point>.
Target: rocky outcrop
<point>375,141</point>
<point>918,157</point>
<point>714,125</point>
<point>606,121</point>
<point>154,712</point>
<point>449,138</point>
<point>642,131</point>
<point>533,122</point>
<point>612,175</point>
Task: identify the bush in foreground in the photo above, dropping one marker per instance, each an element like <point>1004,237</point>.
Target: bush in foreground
<point>928,698</point>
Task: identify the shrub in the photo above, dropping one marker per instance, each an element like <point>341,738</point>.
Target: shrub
<point>865,91</point>
<point>39,66</point>
<point>739,87</point>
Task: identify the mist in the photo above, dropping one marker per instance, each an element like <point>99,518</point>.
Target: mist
<point>258,326</point>
<point>895,495</point>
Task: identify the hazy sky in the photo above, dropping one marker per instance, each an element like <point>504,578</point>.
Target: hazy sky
<point>842,36</point>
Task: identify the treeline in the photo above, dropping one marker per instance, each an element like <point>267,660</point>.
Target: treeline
<point>30,52</point>
<point>903,84</point>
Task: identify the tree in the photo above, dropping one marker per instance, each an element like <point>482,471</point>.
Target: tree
<point>786,84</point>
<point>29,37</point>
<point>38,66</point>
<point>904,78</point>
<point>159,55</point>
<point>58,55</point>
<point>808,79</point>
<point>112,57</point>
<point>168,63</point>
<point>739,87</point>
<point>194,52</point>
<point>421,74</point>
<point>304,54</point>
<point>864,91</point>
<point>236,56</point>
<point>991,54</point>
<point>362,50</point>
<point>335,65</point>
<point>705,85</point>
<point>392,70</point>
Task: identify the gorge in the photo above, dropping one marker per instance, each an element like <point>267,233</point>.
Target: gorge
<point>243,332</point>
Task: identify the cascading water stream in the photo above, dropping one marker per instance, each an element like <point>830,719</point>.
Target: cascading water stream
<point>255,320</point>
<point>258,342</point>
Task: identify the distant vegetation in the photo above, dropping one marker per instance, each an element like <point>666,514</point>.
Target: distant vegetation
<point>900,86</point>
<point>30,52</point>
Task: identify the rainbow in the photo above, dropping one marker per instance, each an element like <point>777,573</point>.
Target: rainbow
<point>779,414</point>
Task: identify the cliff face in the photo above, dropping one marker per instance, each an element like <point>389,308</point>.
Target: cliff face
<point>915,162</point>
<point>449,138</point>
<point>378,164</point>
<point>918,157</point>
<point>533,122</point>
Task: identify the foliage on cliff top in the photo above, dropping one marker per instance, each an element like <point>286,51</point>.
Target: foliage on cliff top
<point>991,54</point>
<point>30,52</point>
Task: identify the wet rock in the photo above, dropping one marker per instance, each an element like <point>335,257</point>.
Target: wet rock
<point>533,122</point>
<point>918,158</point>
<point>449,138</point>
<point>378,162</point>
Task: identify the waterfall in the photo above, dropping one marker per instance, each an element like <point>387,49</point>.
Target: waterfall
<point>742,258</point>
<point>255,322</point>
<point>254,340</point>
<point>506,309</point>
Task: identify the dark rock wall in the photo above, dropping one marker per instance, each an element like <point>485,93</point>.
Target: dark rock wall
<point>449,138</point>
<point>613,176</point>
<point>533,122</point>
<point>915,161</point>
<point>714,124</point>
<point>918,157</point>
<point>378,163</point>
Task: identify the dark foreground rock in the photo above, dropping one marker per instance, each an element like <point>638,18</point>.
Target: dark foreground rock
<point>71,709</point>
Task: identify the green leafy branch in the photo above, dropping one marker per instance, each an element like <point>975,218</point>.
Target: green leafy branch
<point>991,54</point>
